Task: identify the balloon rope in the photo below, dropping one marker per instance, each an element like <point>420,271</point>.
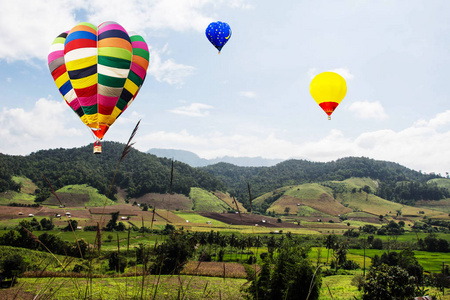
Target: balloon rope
<point>92,133</point>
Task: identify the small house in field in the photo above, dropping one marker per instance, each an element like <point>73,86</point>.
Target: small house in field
<point>124,218</point>
<point>20,213</point>
<point>79,227</point>
<point>30,215</point>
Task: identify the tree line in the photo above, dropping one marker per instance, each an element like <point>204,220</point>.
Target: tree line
<point>142,173</point>
<point>139,173</point>
<point>397,182</point>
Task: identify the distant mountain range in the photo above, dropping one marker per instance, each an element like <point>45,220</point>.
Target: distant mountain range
<point>194,160</point>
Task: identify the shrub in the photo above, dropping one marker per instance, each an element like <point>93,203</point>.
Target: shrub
<point>349,265</point>
<point>172,255</point>
<point>13,266</point>
<point>117,262</point>
<point>291,276</point>
<point>388,282</point>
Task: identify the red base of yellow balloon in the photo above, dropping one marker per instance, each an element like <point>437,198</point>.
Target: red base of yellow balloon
<point>328,107</point>
<point>100,132</point>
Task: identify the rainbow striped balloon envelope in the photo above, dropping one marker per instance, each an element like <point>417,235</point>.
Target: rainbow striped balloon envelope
<point>98,71</point>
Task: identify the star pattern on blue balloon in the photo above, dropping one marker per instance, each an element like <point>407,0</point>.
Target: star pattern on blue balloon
<point>218,33</point>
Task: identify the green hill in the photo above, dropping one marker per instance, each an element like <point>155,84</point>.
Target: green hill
<point>384,178</point>
<point>206,201</point>
<point>352,198</point>
<point>440,182</point>
<point>139,173</point>
<point>78,195</point>
<point>25,195</point>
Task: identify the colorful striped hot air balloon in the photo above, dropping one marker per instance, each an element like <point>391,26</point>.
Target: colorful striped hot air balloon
<point>328,89</point>
<point>98,71</point>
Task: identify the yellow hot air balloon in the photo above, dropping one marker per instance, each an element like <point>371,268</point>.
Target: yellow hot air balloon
<point>328,89</point>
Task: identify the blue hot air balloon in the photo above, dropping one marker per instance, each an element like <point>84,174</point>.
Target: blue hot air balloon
<point>218,33</point>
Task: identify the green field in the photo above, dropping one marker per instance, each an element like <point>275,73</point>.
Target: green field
<point>206,201</point>
<point>430,261</point>
<point>174,287</point>
<point>307,191</point>
<point>196,218</point>
<point>360,208</point>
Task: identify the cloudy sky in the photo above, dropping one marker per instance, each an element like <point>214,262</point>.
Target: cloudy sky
<point>253,99</point>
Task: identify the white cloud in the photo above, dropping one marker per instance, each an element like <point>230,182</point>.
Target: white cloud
<point>168,71</point>
<point>29,27</point>
<point>247,94</point>
<point>441,119</point>
<point>193,110</point>
<point>178,15</point>
<point>368,110</point>
<point>423,147</point>
<point>46,121</point>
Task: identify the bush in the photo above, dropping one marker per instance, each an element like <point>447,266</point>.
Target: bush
<point>13,266</point>
<point>358,281</point>
<point>117,262</point>
<point>350,265</point>
<point>291,276</point>
<point>388,282</point>
<point>78,268</point>
<point>172,255</point>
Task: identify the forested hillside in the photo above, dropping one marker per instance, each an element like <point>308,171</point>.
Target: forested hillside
<point>139,173</point>
<point>396,182</point>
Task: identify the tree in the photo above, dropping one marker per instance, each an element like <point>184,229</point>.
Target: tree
<point>388,282</point>
<point>26,238</point>
<point>35,225</point>
<point>13,266</point>
<point>330,241</point>
<point>116,262</point>
<point>172,255</point>
<point>377,244</point>
<point>370,229</point>
<point>112,224</point>
<point>47,224</point>
<point>261,287</point>
<point>405,260</point>
<point>291,276</point>
<point>71,225</point>
<point>53,243</point>
<point>9,238</point>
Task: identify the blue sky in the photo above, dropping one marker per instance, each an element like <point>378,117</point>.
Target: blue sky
<point>253,99</point>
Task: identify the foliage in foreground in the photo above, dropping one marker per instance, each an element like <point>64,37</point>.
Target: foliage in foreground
<point>388,282</point>
<point>287,275</point>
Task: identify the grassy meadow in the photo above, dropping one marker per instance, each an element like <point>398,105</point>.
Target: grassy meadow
<point>52,276</point>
